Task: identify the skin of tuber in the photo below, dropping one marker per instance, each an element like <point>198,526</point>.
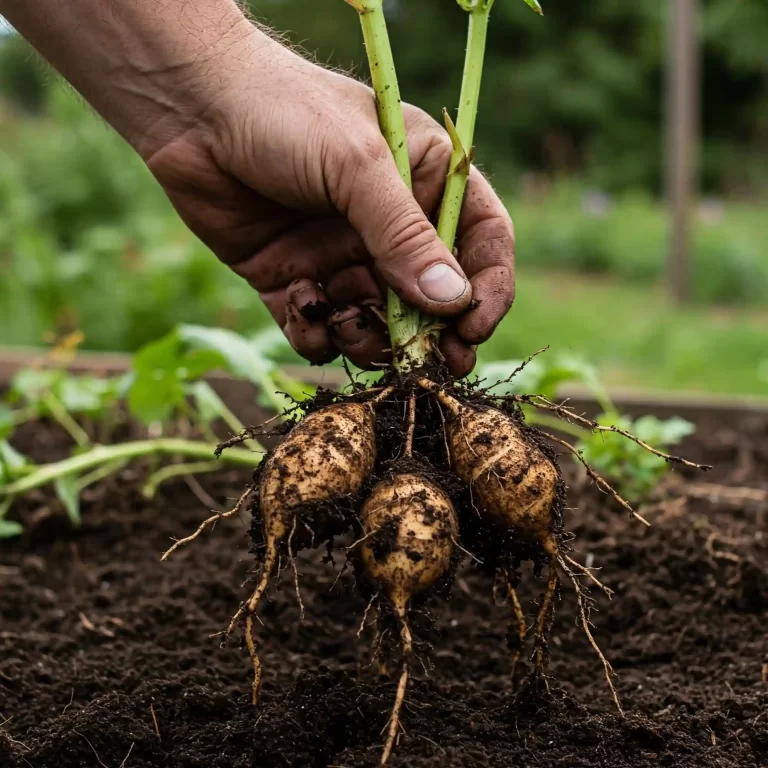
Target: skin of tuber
<point>409,534</point>
<point>513,482</point>
<point>422,526</point>
<point>326,456</point>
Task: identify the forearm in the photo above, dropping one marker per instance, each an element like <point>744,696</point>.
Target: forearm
<point>151,68</point>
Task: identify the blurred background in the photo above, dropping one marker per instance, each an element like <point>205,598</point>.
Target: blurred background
<point>629,141</point>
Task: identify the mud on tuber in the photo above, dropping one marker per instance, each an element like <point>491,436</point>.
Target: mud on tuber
<point>416,500</point>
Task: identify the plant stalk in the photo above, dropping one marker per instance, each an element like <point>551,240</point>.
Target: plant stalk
<point>176,470</point>
<point>86,462</point>
<point>410,346</point>
<point>463,133</point>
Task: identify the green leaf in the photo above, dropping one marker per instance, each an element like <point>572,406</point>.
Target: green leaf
<point>209,405</point>
<point>10,529</point>
<point>534,4</point>
<point>91,395</point>
<point>7,422</point>
<point>11,461</point>
<point>68,492</point>
<point>161,370</point>
<point>271,342</point>
<point>30,385</point>
<point>154,397</point>
<point>242,358</point>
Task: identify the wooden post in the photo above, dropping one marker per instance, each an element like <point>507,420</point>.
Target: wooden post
<point>682,117</point>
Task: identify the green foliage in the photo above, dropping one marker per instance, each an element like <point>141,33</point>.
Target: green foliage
<point>634,470</point>
<point>85,395</point>
<point>627,237</point>
<point>161,371</point>
<point>165,381</point>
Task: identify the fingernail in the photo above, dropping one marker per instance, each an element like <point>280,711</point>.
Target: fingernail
<point>349,326</point>
<point>441,283</point>
<point>310,303</point>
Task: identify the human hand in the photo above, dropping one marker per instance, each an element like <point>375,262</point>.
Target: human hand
<point>291,184</point>
<point>278,165</point>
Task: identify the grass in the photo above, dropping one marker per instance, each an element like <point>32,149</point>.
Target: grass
<point>635,337</point>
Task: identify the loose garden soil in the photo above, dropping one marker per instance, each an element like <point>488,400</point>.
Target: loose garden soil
<point>106,657</point>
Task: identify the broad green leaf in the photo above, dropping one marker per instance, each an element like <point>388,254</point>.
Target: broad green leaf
<point>242,357</point>
<point>271,342</point>
<point>92,395</point>
<point>160,371</point>
<point>154,397</point>
<point>68,492</point>
<point>30,385</point>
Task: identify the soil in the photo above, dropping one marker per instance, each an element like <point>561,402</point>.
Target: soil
<point>106,657</point>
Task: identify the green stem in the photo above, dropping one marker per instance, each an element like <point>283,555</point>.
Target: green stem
<point>95,457</point>
<point>176,470</point>
<point>60,413</point>
<point>463,134</point>
<point>100,473</point>
<point>411,348</point>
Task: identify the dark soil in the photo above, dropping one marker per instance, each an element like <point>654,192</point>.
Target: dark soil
<point>106,657</point>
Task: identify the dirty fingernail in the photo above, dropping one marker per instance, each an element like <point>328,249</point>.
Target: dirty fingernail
<point>349,326</point>
<point>441,283</point>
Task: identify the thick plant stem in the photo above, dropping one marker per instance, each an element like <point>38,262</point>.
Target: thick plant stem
<point>101,454</point>
<point>462,134</point>
<point>410,348</point>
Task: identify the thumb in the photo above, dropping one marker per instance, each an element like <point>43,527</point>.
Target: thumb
<point>404,245</point>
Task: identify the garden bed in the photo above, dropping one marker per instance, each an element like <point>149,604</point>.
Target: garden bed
<point>106,657</point>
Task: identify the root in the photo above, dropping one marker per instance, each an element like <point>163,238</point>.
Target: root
<point>540,642</point>
<point>394,719</point>
<point>590,575</point>
<point>408,450</point>
<point>383,395</point>
<point>365,615</point>
<point>249,433</point>
<point>210,521</point>
<point>583,602</point>
<point>292,559</point>
<point>522,631</point>
<point>250,608</point>
<point>567,414</point>
<point>519,368</point>
<point>601,482</point>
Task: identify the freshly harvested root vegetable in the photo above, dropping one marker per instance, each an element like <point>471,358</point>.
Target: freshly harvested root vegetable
<point>320,463</point>
<point>515,486</point>
<point>325,458</point>
<point>409,538</point>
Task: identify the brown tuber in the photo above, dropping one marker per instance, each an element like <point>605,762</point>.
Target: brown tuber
<point>513,481</point>
<point>515,486</point>
<point>323,459</point>
<point>409,534</point>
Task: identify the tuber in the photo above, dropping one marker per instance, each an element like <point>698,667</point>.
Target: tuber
<point>409,534</point>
